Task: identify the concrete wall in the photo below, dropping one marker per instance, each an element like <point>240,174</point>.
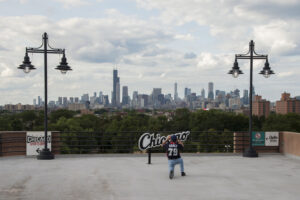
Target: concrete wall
<point>290,143</point>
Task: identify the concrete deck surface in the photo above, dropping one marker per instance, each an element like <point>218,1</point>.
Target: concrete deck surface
<point>129,178</point>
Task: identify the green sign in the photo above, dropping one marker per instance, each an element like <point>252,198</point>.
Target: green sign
<point>258,138</point>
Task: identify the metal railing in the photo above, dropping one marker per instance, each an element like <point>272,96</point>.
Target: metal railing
<point>74,142</point>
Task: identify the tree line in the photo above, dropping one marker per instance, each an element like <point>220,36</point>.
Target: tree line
<point>108,131</point>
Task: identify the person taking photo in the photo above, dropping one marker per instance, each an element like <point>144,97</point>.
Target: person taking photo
<point>172,146</point>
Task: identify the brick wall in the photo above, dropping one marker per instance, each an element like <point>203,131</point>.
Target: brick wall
<point>241,142</point>
<point>13,143</point>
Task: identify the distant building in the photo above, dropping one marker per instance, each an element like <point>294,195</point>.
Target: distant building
<point>76,106</point>
<point>210,91</point>
<point>39,101</point>
<point>203,93</point>
<point>155,97</point>
<point>18,107</point>
<point>116,89</point>
<point>260,107</point>
<point>105,100</point>
<point>60,100</point>
<point>125,97</point>
<point>175,92</point>
<point>287,104</point>
<point>234,103</point>
<point>187,92</point>
<point>65,101</point>
<point>245,97</point>
<point>85,98</point>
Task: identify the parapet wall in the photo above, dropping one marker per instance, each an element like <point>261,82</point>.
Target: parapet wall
<point>13,143</point>
<point>290,143</point>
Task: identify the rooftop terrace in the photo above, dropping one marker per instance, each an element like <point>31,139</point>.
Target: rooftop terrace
<point>209,176</point>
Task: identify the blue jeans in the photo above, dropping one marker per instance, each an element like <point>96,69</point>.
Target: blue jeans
<point>174,162</point>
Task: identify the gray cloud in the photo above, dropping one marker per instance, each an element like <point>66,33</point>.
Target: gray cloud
<point>190,55</point>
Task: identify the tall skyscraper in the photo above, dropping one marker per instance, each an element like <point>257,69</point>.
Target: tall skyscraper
<point>187,92</point>
<point>118,93</point>
<point>203,93</point>
<point>125,97</point>
<point>175,92</point>
<point>116,88</point>
<point>210,91</point>
<point>65,101</point>
<point>155,94</point>
<point>85,98</point>
<point>60,100</point>
<point>245,97</point>
<point>39,101</point>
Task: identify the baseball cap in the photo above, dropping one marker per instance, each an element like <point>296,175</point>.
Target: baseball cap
<point>174,138</point>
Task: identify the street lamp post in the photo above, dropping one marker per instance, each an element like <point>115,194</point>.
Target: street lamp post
<point>266,72</point>
<point>45,154</point>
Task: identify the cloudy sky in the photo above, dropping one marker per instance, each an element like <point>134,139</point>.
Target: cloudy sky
<point>153,43</point>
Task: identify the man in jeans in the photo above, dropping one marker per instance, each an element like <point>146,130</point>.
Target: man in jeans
<point>173,146</point>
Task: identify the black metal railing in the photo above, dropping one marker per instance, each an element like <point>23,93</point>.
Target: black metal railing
<point>74,142</point>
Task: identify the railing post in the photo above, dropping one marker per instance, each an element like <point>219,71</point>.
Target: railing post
<point>149,156</point>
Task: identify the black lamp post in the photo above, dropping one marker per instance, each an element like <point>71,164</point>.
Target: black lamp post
<point>45,154</point>
<point>250,152</point>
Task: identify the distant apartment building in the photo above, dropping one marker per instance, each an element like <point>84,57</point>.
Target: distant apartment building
<point>18,107</point>
<point>287,104</point>
<point>260,107</point>
<point>76,106</point>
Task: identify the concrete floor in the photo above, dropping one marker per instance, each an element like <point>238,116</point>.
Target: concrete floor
<point>129,178</point>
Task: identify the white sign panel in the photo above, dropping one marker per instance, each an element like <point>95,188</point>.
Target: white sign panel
<point>35,142</point>
<point>271,138</point>
<point>150,140</point>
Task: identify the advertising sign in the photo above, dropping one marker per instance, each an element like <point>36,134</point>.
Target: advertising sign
<point>272,138</point>
<point>258,138</point>
<point>150,140</point>
<point>35,142</point>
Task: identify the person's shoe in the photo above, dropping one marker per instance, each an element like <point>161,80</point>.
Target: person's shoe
<point>171,175</point>
<point>182,173</point>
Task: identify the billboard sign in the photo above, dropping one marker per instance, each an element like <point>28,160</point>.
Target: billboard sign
<point>258,138</point>
<point>35,142</point>
<point>272,138</point>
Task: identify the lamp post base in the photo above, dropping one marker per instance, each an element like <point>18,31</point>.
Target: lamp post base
<point>250,152</point>
<point>45,154</point>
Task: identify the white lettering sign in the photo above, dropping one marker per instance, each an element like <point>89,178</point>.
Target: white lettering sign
<point>150,140</point>
<point>35,142</point>
<point>271,138</point>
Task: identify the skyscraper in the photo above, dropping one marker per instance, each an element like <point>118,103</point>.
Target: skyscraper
<point>187,92</point>
<point>210,91</point>
<point>39,101</point>
<point>245,97</point>
<point>155,94</point>
<point>125,97</point>
<point>175,92</point>
<point>203,93</point>
<point>116,88</point>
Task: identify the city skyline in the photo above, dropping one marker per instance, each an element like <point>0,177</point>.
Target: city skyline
<point>153,44</point>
